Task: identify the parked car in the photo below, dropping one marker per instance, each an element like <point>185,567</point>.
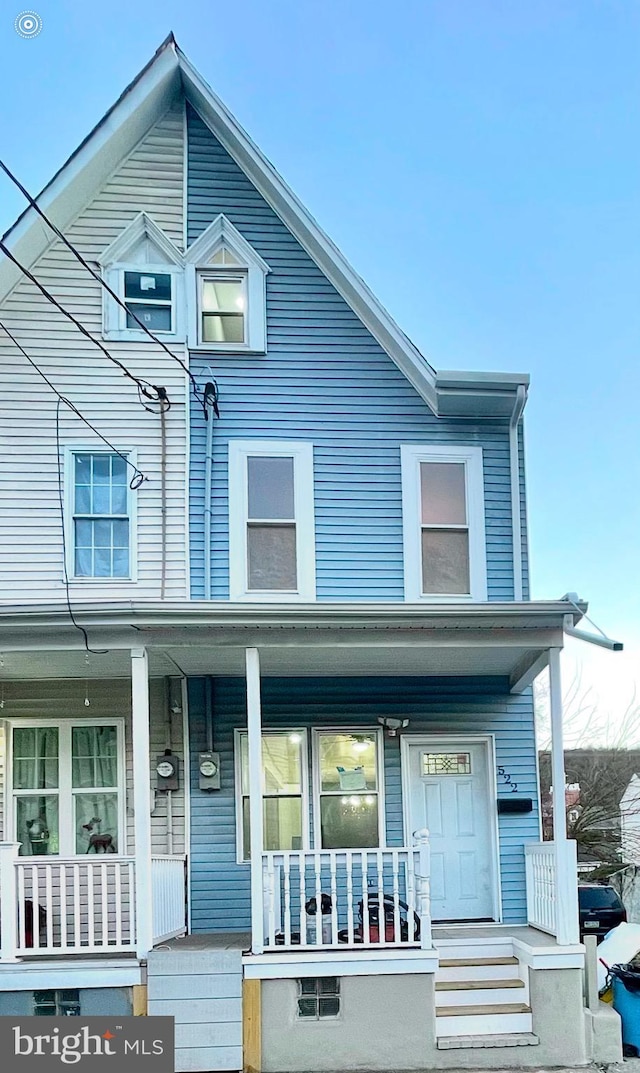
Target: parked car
<point>600,909</point>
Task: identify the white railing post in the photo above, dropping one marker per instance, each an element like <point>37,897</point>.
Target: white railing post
<point>142,800</point>
<point>8,901</point>
<point>423,887</point>
<point>254,750</point>
<point>566,877</point>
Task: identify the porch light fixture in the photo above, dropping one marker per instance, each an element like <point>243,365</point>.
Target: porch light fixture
<point>392,726</point>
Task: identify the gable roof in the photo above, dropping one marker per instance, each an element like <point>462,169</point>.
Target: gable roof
<point>168,75</point>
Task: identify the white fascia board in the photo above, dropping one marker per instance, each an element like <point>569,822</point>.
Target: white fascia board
<point>294,965</point>
<point>69,972</point>
<point>89,166</point>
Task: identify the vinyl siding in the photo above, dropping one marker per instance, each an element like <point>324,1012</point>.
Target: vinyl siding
<point>31,567</point>
<point>220,888</point>
<point>323,379</point>
<point>64,699</point>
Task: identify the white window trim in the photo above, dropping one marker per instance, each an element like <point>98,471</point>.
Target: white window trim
<point>115,317</point>
<point>411,457</point>
<point>316,734</point>
<point>221,232</point>
<point>304,763</point>
<point>115,260</point>
<point>69,530</point>
<point>65,815</point>
<point>302,454</point>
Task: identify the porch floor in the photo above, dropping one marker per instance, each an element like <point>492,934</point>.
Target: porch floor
<point>205,940</point>
<point>471,933</point>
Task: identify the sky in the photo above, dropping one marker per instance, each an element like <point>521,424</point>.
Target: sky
<point>478,162</point>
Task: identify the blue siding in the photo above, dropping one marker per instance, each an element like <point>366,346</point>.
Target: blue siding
<point>220,886</point>
<point>323,379</point>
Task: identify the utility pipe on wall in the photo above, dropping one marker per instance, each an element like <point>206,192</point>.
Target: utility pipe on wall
<point>514,468</point>
<point>210,408</point>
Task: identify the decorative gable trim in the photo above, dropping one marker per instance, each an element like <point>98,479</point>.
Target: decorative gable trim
<point>141,227</point>
<point>221,232</point>
<point>142,245</point>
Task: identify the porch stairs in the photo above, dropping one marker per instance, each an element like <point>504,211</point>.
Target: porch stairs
<point>481,997</point>
<point>201,987</point>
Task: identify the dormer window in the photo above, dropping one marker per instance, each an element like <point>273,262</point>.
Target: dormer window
<point>226,277</point>
<point>223,305</point>
<point>148,297</point>
<point>146,271</point>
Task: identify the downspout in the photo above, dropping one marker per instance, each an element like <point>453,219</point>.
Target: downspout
<point>210,408</point>
<point>514,469</point>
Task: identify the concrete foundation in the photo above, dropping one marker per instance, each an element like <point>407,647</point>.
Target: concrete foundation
<point>388,1023</point>
<point>94,1002</point>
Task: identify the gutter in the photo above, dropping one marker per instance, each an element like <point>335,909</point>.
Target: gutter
<point>514,469</point>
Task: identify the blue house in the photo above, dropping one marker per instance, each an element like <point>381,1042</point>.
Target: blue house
<point>268,750</point>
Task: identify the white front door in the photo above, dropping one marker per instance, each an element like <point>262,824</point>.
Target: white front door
<point>447,783</point>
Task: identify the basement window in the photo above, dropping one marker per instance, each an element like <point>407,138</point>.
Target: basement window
<point>318,998</point>
<point>64,1003</point>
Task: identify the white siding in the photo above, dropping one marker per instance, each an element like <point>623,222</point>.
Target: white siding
<point>31,550</point>
<point>64,699</point>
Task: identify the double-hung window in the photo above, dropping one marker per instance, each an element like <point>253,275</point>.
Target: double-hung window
<point>348,780</point>
<point>67,787</point>
<point>223,301</point>
<point>271,521</point>
<point>99,533</point>
<point>148,297</point>
<point>443,523</point>
<point>284,791</point>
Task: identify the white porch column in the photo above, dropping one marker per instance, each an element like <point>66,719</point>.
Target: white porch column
<point>142,799</point>
<point>567,927</point>
<point>254,749</point>
<point>9,901</point>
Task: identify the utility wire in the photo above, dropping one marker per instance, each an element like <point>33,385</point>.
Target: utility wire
<point>150,391</point>
<point>103,283</point>
<point>138,475</point>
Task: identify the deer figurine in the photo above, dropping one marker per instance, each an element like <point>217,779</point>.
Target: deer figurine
<point>98,843</point>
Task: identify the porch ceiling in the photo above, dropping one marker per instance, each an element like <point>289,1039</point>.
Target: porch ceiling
<point>509,640</point>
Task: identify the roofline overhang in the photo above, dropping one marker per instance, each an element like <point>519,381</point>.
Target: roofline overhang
<point>192,614</point>
<point>475,395</point>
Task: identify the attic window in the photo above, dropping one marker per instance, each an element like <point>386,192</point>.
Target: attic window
<point>147,296</point>
<point>226,280</point>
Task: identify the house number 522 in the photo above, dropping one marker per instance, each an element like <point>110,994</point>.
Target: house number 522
<point>507,780</point>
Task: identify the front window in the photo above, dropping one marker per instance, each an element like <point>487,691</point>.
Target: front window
<point>148,295</point>
<point>101,516</point>
<point>348,777</point>
<point>284,804</point>
<point>271,524</point>
<point>67,792</point>
<point>223,307</point>
<point>443,523</point>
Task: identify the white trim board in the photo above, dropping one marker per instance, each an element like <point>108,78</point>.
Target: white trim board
<point>438,740</point>
<point>48,975</point>
<point>362,963</point>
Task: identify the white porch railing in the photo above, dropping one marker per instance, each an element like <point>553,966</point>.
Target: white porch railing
<point>552,889</point>
<point>168,884</point>
<point>371,898</point>
<point>55,906</point>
